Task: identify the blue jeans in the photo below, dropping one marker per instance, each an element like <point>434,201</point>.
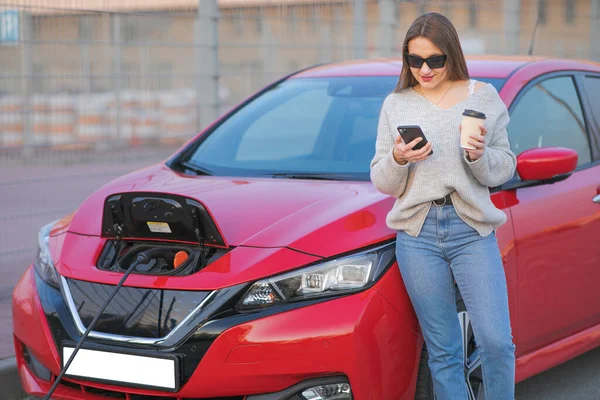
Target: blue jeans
<point>447,249</point>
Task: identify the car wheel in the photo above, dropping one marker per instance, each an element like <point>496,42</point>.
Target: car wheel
<point>472,357</point>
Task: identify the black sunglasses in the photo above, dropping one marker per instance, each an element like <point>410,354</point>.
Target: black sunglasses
<point>433,62</point>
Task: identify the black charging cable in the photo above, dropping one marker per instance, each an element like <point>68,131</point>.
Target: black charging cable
<point>143,257</point>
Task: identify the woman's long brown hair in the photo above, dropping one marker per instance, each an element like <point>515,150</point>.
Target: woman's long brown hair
<point>441,32</point>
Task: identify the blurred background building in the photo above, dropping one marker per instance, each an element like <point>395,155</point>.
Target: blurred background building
<point>89,74</point>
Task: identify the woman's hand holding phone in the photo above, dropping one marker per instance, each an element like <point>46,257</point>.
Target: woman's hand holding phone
<point>404,153</point>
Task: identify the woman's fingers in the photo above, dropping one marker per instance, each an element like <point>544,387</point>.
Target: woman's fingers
<point>423,151</point>
<point>477,145</point>
<point>406,152</point>
<point>413,143</point>
<point>421,154</point>
<point>477,141</point>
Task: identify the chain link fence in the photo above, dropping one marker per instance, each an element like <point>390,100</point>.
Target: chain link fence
<point>93,75</point>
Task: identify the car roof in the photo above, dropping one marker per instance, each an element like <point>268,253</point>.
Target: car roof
<point>488,66</point>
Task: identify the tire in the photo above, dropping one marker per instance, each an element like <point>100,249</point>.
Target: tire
<point>424,387</point>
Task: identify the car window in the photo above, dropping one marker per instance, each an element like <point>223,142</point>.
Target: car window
<point>592,88</point>
<point>289,130</point>
<point>550,115</point>
<point>304,125</point>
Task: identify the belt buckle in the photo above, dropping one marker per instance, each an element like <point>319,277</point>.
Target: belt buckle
<point>439,205</point>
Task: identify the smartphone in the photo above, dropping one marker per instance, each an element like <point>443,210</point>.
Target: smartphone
<point>410,133</point>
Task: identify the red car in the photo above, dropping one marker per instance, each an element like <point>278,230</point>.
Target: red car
<point>265,269</point>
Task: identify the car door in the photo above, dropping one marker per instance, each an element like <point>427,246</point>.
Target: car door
<point>556,226</point>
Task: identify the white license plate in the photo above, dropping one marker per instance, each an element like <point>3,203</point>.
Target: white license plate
<point>118,368</point>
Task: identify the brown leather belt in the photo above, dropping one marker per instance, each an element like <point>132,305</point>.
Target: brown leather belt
<point>444,201</point>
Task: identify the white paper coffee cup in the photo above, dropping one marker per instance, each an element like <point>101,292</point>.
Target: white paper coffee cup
<point>471,121</point>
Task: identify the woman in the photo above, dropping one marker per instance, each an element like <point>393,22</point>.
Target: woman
<point>443,215</point>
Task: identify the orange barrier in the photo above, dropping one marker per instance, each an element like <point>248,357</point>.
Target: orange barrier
<point>178,112</point>
<point>92,121</point>
<point>60,123</point>
<point>145,123</point>
<point>61,120</point>
<point>11,121</point>
<point>39,114</point>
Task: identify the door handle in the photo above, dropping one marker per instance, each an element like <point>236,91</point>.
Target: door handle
<point>596,199</point>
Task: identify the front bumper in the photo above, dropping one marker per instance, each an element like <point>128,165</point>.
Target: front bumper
<point>364,338</point>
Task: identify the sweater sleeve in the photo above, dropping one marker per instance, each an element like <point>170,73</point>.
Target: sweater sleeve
<point>497,164</point>
<point>387,175</point>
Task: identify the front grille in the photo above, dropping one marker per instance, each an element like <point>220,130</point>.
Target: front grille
<point>138,312</point>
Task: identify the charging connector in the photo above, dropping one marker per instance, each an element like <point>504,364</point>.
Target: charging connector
<point>143,257</point>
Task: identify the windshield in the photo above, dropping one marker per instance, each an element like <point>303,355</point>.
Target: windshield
<point>305,128</point>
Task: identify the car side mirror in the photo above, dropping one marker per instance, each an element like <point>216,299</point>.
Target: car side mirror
<point>546,163</point>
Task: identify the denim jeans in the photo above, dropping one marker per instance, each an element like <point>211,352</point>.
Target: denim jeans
<point>447,249</point>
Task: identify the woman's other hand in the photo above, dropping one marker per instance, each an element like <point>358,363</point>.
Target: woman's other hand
<point>477,141</point>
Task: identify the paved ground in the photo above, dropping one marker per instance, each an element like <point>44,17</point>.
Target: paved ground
<point>33,194</point>
<point>578,379</point>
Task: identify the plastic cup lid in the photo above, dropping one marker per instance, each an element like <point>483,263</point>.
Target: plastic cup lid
<point>474,114</point>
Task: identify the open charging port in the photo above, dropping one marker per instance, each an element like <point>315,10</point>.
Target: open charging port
<point>163,259</point>
<point>175,235</point>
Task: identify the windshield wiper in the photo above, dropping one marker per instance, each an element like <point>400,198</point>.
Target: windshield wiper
<point>325,177</point>
<point>195,168</point>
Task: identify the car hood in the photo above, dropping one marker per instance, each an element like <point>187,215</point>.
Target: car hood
<point>320,218</point>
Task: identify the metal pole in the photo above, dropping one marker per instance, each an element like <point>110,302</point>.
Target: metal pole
<point>511,26</point>
<point>325,40</point>
<point>268,49</point>
<point>118,68</point>
<point>207,63</point>
<point>387,28</point>
<point>145,81</point>
<point>84,48</point>
<point>215,56</point>
<point>359,29</point>
<point>199,69</point>
<point>594,30</point>
<point>26,88</point>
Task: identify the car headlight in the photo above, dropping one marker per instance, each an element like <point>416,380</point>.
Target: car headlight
<point>347,274</point>
<point>43,263</point>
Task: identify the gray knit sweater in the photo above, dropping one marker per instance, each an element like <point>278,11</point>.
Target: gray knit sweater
<point>447,170</point>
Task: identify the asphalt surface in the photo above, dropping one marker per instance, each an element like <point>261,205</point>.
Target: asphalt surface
<point>578,379</point>
<point>34,194</point>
